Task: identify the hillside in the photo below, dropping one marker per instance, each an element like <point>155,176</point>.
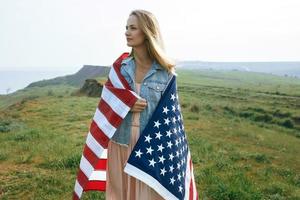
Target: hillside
<point>243,130</point>
<point>277,68</point>
<point>77,79</point>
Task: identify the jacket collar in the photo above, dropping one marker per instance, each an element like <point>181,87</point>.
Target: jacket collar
<point>130,60</point>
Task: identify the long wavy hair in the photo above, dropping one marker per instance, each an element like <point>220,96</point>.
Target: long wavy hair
<point>153,39</point>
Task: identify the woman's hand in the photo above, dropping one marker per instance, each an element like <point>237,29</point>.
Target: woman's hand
<point>139,105</point>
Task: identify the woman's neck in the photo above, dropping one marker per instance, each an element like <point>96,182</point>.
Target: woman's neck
<point>142,57</point>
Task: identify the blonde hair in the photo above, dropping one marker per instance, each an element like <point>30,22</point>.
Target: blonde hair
<point>153,39</point>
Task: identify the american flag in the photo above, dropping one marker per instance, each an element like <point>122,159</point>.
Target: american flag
<point>116,101</point>
<point>161,157</point>
<point>170,149</point>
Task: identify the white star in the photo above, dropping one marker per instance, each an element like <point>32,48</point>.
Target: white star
<point>148,138</point>
<point>175,130</point>
<point>158,135</point>
<point>171,168</point>
<point>138,153</point>
<point>167,121</point>
<point>166,110</point>
<point>161,159</point>
<point>152,162</point>
<point>173,108</point>
<point>179,129</point>
<point>174,120</point>
<point>178,118</point>
<point>149,150</point>
<point>179,177</point>
<point>173,97</point>
<point>177,154</point>
<point>169,133</point>
<point>180,188</point>
<point>178,167</point>
<point>160,147</point>
<point>176,143</point>
<point>157,124</point>
<point>163,171</point>
<point>170,144</point>
<point>172,180</point>
<point>171,157</point>
<point>178,107</point>
<point>182,174</point>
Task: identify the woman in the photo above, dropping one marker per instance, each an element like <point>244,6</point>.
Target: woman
<point>147,70</point>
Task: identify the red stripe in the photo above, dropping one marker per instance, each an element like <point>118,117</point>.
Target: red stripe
<point>75,197</point>
<point>101,165</point>
<point>121,78</point>
<point>117,67</point>
<point>125,96</point>
<point>82,178</point>
<point>191,183</point>
<point>96,185</point>
<point>99,135</point>
<point>113,118</point>
<point>92,157</point>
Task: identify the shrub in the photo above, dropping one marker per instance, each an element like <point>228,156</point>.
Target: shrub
<point>288,123</point>
<point>195,108</point>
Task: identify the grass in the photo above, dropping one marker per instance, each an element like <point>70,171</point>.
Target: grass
<point>242,129</point>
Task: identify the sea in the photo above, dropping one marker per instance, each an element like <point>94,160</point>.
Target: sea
<point>11,81</point>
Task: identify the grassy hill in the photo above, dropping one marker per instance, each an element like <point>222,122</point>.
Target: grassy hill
<point>77,79</point>
<point>243,130</point>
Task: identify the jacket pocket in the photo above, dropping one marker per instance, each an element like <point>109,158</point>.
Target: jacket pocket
<point>155,90</point>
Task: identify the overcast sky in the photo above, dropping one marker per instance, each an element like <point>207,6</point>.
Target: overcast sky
<point>66,34</point>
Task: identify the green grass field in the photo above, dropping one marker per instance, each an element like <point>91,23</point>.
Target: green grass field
<point>243,130</point>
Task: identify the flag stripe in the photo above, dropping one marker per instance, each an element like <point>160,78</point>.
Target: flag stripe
<point>115,80</point>
<point>104,124</point>
<point>98,175</point>
<point>95,185</point>
<point>119,106</point>
<point>78,189</point>
<point>98,134</point>
<point>187,179</point>
<point>94,146</point>
<point>127,98</point>
<point>92,158</point>
<point>113,118</point>
<point>116,67</point>
<point>149,180</point>
<point>86,167</point>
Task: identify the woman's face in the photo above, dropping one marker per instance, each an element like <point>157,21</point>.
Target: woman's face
<point>134,35</point>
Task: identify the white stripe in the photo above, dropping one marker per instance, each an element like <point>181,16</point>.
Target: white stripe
<point>149,180</point>
<point>86,167</point>
<point>78,189</point>
<point>98,175</point>
<point>104,154</point>
<point>187,177</point>
<point>104,124</point>
<point>115,103</point>
<point>194,183</point>
<point>116,82</point>
<point>115,79</point>
<point>92,143</point>
<point>135,94</point>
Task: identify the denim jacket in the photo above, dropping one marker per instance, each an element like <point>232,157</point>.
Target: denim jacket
<point>152,87</point>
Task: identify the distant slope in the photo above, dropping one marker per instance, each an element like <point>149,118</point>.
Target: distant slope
<point>276,68</point>
<point>77,79</point>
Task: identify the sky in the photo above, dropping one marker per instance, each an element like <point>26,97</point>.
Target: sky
<point>64,35</point>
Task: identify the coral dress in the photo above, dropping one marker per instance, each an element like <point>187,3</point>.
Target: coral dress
<point>119,185</point>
